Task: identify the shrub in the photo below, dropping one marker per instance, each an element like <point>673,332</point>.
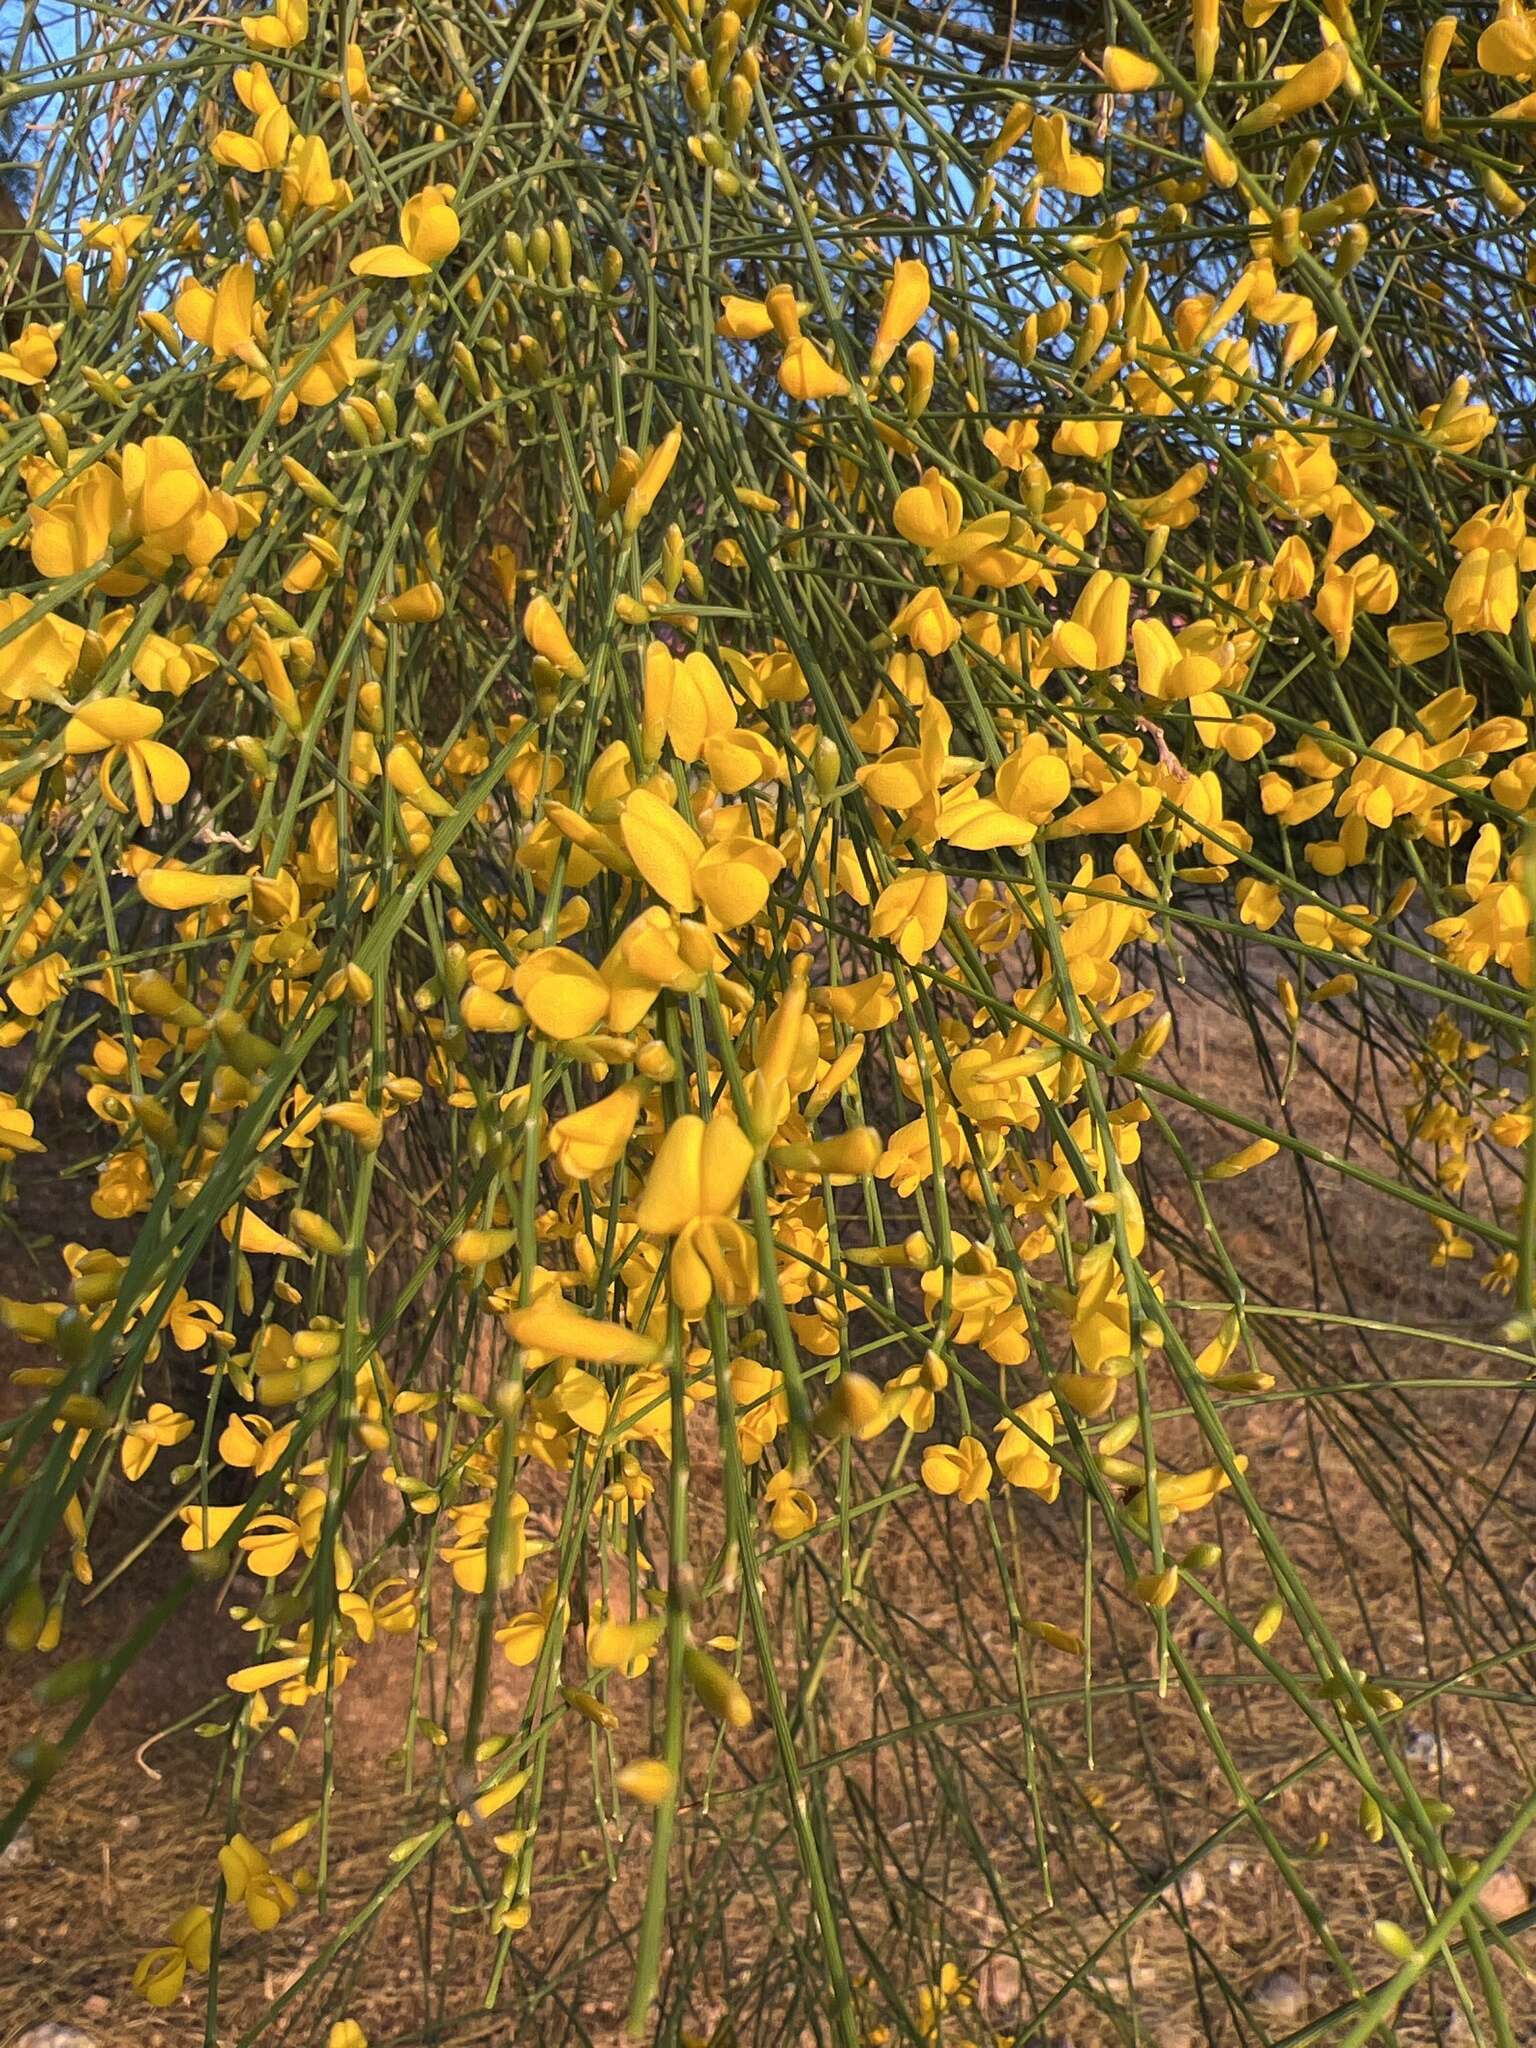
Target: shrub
<point>639,647</point>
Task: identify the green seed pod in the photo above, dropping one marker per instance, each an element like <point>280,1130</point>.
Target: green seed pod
<point>37,1760</point>
<point>1396,1941</point>
<point>247,1052</point>
<point>353,424</point>
<point>24,1623</point>
<point>68,1682</point>
<point>467,368</point>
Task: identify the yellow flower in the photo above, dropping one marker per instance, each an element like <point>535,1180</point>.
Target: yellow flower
<point>906,301</point>
<point>910,912</point>
<point>1507,46</point>
<point>592,1140</point>
<point>283,28</point>
<point>421,604</point>
<point>805,373</point>
<point>729,880</point>
<point>743,319</point>
<point>1126,71</point>
<point>1058,163</point>
<point>72,528</point>
<point>1020,1459</point>
<point>926,622</point>
<point>119,237</point>
<point>38,987</point>
<point>1368,585</point>
<point>625,1646</point>
<point>1259,903</point>
<point>159,1976</point>
<point>929,512</point>
<point>271,1542</point>
<point>224,319</point>
<point>179,889</point>
<point>429,232</point>
<point>192,1932</point>
<point>354,78</point>
<point>250,1880</point>
<point>33,356</point>
<point>254,1443</point>
<point>1308,86</point>
<point>16,1130</point>
<point>1012,446</point>
<point>791,1510</point>
<point>551,1328</point>
<point>686,702</point>
<point>1484,593</point>
<point>653,474</point>
<point>169,506</point>
<point>544,630</point>
<point>308,181</point>
<point>963,1469</point>
<point>1094,637</point>
<point>690,1196</point>
<point>1029,788</point>
<point>159,1427</point>
<point>762,1407</point>
<point>336,368</point>
<point>121,729</point>
<point>522,1638</point>
<point>564,995</point>
<point>40,658</point>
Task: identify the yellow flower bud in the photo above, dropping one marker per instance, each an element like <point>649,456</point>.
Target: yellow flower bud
<point>717,1689</point>
<point>647,1780</point>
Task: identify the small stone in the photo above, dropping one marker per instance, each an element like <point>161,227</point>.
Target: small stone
<point>1424,1746</point>
<point>1280,1996</point>
<point>19,1851</point>
<point>56,2034</point>
<point>1504,1894</point>
<point>1189,1890</point>
<point>96,2007</point>
<point>998,1988</point>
